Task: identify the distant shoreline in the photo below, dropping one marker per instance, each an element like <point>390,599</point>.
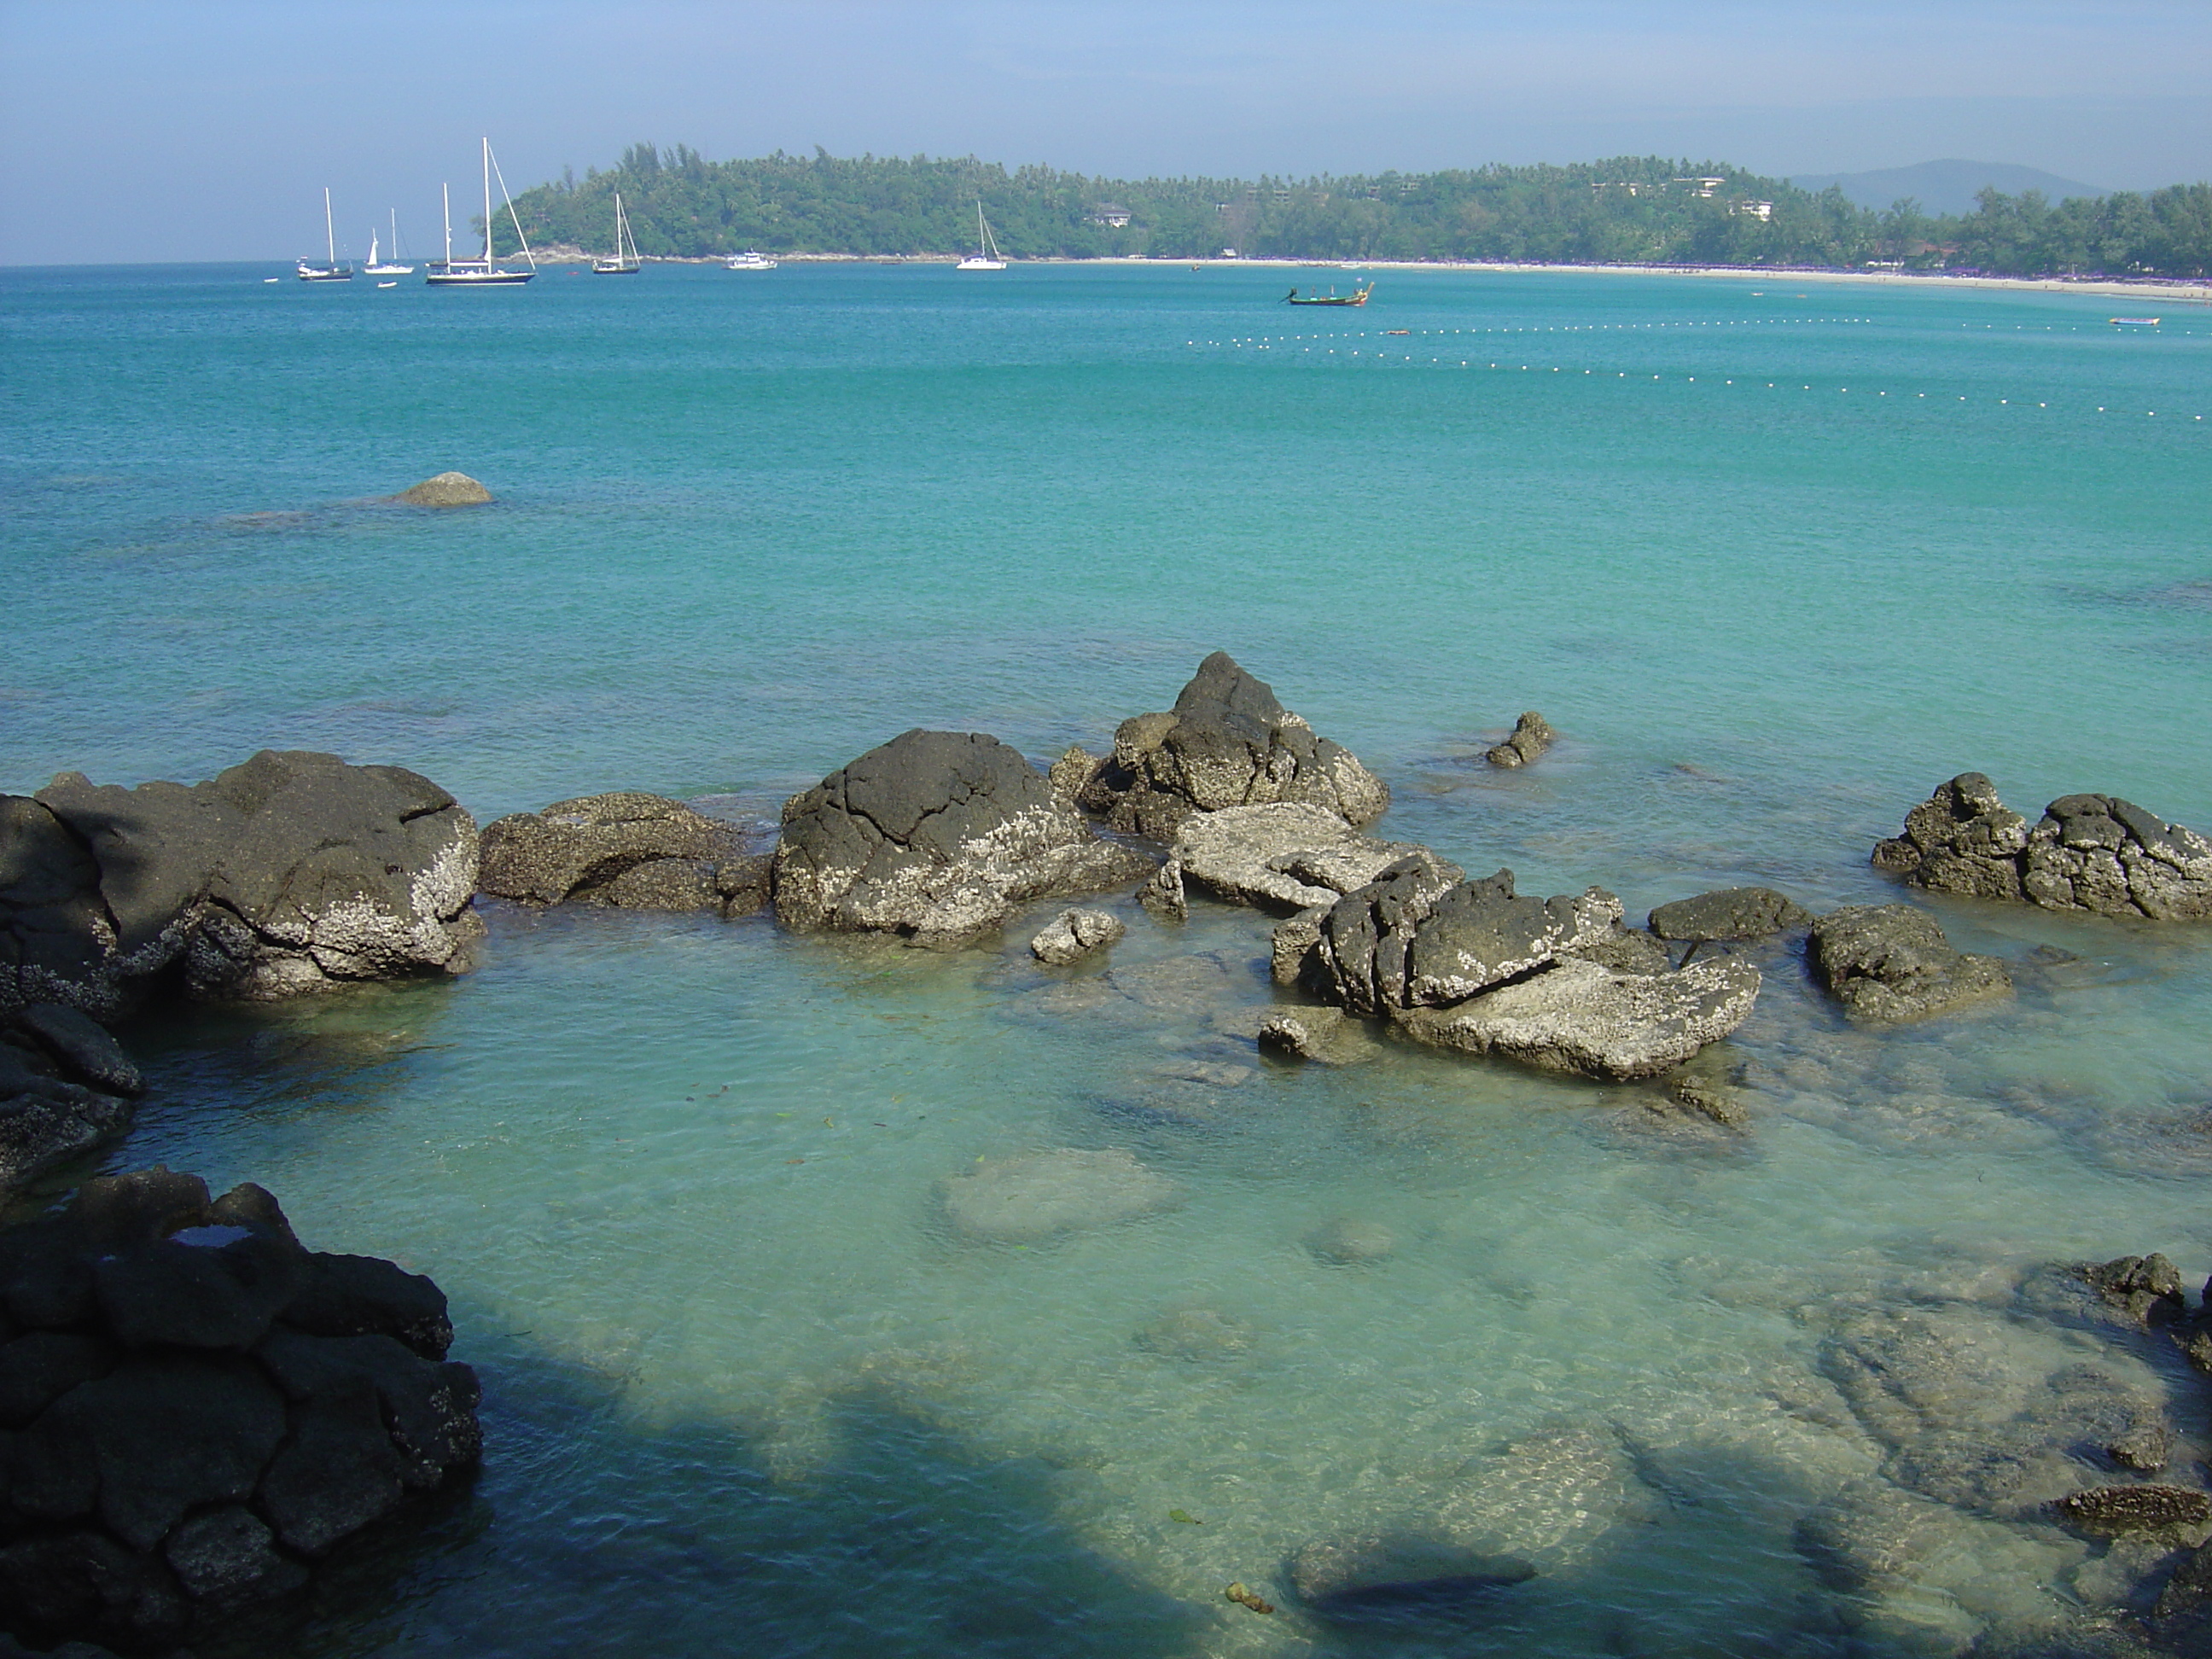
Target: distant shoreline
<point>2106,287</point>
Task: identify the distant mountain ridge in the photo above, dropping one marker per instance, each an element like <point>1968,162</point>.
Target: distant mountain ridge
<point>1944,186</point>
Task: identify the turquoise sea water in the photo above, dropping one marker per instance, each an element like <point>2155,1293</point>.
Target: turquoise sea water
<point>1774,559</point>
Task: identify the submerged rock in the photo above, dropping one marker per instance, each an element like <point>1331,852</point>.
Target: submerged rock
<point>2095,853</point>
<point>1348,1240</point>
<point>1889,963</point>
<point>935,836</point>
<point>1326,1035</point>
<point>1532,736</point>
<point>291,874</point>
<point>1731,912</point>
<point>1073,934</point>
<point>1228,742</point>
<point>1035,1195</point>
<point>191,1431</point>
<point>632,851</point>
<point>446,490</point>
<point>2108,1511</point>
<point>1396,1578</point>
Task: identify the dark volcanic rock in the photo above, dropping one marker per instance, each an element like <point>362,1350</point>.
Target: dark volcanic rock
<point>935,834</point>
<point>2145,1288</point>
<point>289,873</point>
<point>1731,912</point>
<point>1532,736</point>
<point>1228,742</point>
<point>2096,852</point>
<point>45,1121</point>
<point>201,1407</point>
<point>1389,1579</point>
<point>81,1046</point>
<point>634,852</point>
<point>1471,965</point>
<point>1888,964</point>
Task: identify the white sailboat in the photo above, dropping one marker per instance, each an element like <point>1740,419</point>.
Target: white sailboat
<point>377,268</point>
<point>486,272</point>
<point>330,271</point>
<point>987,258</point>
<point>625,262</point>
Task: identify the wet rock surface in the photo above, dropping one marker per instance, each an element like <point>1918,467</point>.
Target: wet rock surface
<point>1035,1195</point>
<point>1890,963</point>
<point>627,850</point>
<point>1227,742</point>
<point>2108,1511</point>
<point>1075,934</point>
<point>935,836</point>
<point>1532,735</point>
<point>288,874</point>
<point>47,1118</point>
<point>199,1409</point>
<point>2094,852</point>
<point>1732,913</point>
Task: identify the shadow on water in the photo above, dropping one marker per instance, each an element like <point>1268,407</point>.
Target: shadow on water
<point>589,1531</point>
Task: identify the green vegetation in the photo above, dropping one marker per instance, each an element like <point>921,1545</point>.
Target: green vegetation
<point>1646,209</point>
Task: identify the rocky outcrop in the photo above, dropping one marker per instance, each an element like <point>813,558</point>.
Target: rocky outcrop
<point>1073,934</point>
<point>1532,736</point>
<point>2094,852</point>
<point>1282,855</point>
<point>48,1114</point>
<point>2109,1511</point>
<point>291,874</point>
<point>1034,1196</point>
<point>1474,966</point>
<point>1889,963</point>
<point>199,1409</point>
<point>1227,742</point>
<point>446,490</point>
<point>935,836</point>
<point>1732,913</point>
<point>631,851</point>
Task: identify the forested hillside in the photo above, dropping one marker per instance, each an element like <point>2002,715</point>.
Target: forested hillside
<point>1633,209</point>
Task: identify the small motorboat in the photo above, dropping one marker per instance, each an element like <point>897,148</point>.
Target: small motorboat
<point>2134,322</point>
<point>1356,297</point>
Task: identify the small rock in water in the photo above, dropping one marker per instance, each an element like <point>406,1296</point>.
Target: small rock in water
<point>1888,963</point>
<point>447,490</point>
<point>1532,736</point>
<point>1197,1333</point>
<point>1347,1241</point>
<point>1075,934</point>
<point>1326,1035</point>
<point>1731,912</point>
<point>1245,1598</point>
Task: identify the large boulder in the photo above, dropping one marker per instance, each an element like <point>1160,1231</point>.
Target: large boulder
<point>290,873</point>
<point>1227,742</point>
<point>1556,983</point>
<point>629,850</point>
<point>1281,855</point>
<point>2095,853</point>
<point>935,836</point>
<point>1889,963</point>
<point>199,1409</point>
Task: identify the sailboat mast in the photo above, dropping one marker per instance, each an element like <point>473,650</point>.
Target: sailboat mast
<point>329,235</point>
<point>486,170</point>
<point>446,193</point>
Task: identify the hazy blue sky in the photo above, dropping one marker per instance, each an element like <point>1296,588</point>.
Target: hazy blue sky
<point>131,130</point>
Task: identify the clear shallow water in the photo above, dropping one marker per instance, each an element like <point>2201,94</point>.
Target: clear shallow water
<point>750,526</point>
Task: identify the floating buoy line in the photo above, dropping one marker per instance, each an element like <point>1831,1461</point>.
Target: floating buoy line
<point>1306,344</point>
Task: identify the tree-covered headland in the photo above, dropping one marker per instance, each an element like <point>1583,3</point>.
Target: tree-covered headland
<point>1646,209</point>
